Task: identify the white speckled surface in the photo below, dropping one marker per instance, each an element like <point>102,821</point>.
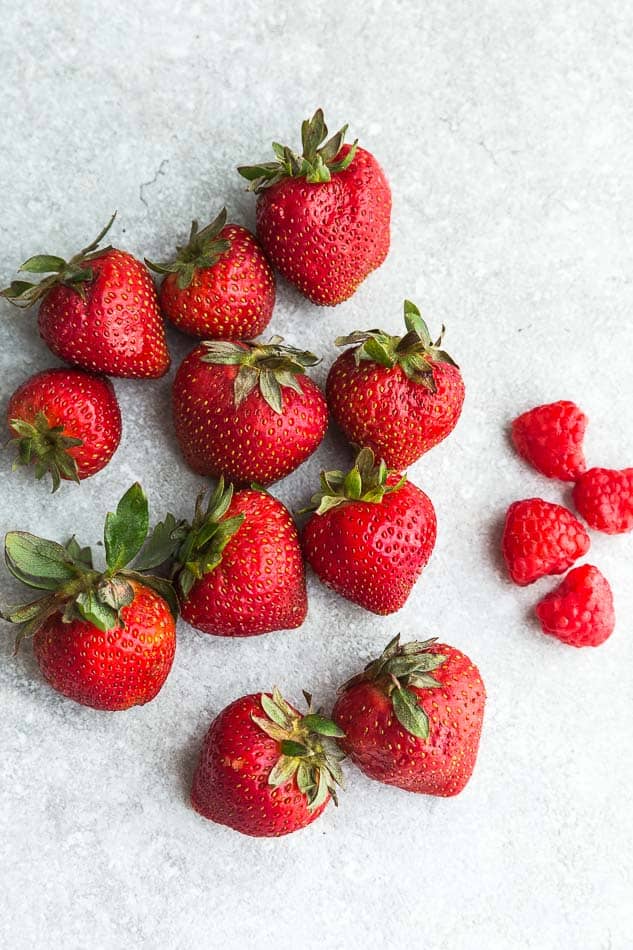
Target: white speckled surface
<point>506,131</point>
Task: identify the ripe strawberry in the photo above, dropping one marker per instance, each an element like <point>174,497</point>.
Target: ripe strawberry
<point>541,538</point>
<point>399,396</point>
<point>105,639</point>
<point>66,422</point>
<point>220,285</point>
<point>99,311</point>
<point>550,438</point>
<point>604,497</point>
<point>240,410</point>
<point>580,611</point>
<point>413,718</point>
<point>323,216</point>
<point>238,567</point>
<point>371,534</point>
<point>264,769</point>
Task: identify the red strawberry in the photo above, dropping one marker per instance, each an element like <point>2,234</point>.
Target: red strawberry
<point>220,285</point>
<point>99,311</point>
<point>264,769</point>
<point>105,639</point>
<point>541,538</point>
<point>371,534</point>
<point>580,611</point>
<point>238,567</point>
<point>413,718</point>
<point>66,422</point>
<point>247,411</point>
<point>604,497</point>
<point>399,396</point>
<point>550,438</point>
<point>116,669</point>
<point>323,216</point>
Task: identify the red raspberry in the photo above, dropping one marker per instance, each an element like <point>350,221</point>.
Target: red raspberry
<point>550,438</point>
<point>604,497</point>
<point>541,538</point>
<point>580,611</point>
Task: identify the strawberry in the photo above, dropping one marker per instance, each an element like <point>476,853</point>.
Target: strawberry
<point>238,566</point>
<point>550,438</point>
<point>65,422</point>
<point>247,411</point>
<point>265,770</point>
<point>103,638</point>
<point>323,216</point>
<point>220,285</point>
<point>98,311</point>
<point>413,718</point>
<point>604,498</point>
<point>541,538</point>
<point>371,534</point>
<point>580,611</point>
<point>399,396</point>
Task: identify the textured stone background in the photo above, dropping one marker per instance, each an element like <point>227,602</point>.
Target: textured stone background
<point>506,131</point>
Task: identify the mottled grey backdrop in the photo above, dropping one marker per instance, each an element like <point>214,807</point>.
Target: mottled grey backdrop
<point>506,130</point>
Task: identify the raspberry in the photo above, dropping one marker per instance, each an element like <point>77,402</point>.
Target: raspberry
<point>550,438</point>
<point>604,497</point>
<point>580,611</point>
<point>541,538</point>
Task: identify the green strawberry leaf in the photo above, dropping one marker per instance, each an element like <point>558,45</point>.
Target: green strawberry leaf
<point>43,264</point>
<point>126,528</point>
<point>271,390</point>
<point>273,711</point>
<point>321,791</point>
<point>37,562</point>
<point>409,714</point>
<point>322,726</point>
<point>162,544</point>
<point>22,613</point>
<point>96,612</point>
<point>290,747</point>
<point>376,351</point>
<point>283,770</point>
<point>81,556</point>
<point>304,779</point>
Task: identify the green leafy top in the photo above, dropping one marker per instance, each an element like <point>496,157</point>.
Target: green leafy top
<point>75,588</point>
<point>415,352</point>
<point>47,447</point>
<point>196,548</point>
<point>203,250</point>
<point>399,667</point>
<point>366,481</point>
<point>269,365</point>
<point>307,746</point>
<point>72,273</point>
<point>317,163</point>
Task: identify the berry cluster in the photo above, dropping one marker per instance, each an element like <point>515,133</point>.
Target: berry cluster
<point>246,413</point>
<point>542,538</point>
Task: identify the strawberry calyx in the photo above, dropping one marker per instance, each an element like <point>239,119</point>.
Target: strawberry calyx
<point>396,669</point>
<point>270,366</point>
<point>317,162</point>
<point>415,352</point>
<point>46,447</point>
<point>202,251</point>
<point>74,587</point>
<point>195,548</point>
<point>365,481</point>
<point>307,747</point>
<point>73,273</point>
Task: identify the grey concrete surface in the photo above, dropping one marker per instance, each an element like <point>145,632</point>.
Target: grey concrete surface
<point>506,130</point>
